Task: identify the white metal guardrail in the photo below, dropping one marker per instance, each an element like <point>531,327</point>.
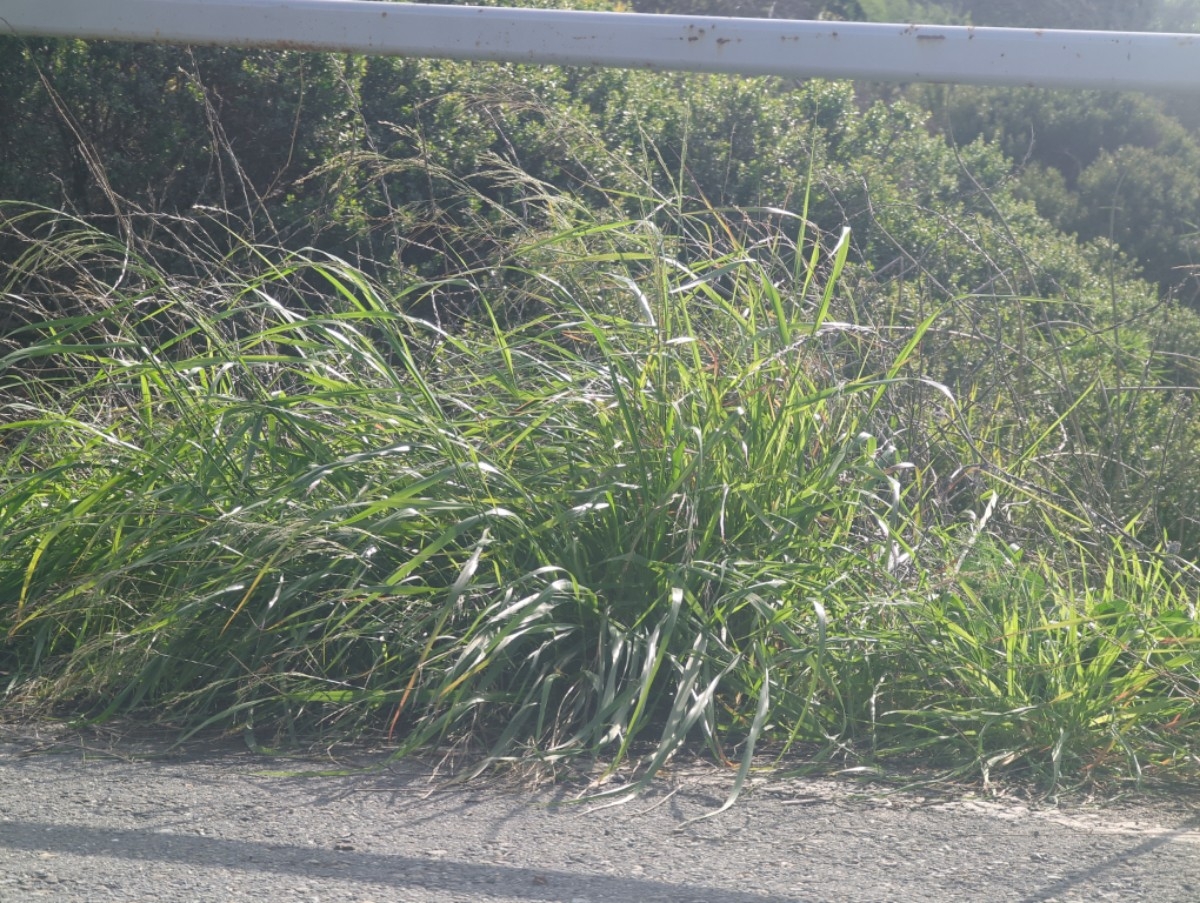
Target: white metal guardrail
<point>797,49</point>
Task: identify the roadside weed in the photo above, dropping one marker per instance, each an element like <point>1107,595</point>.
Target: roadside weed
<point>644,492</point>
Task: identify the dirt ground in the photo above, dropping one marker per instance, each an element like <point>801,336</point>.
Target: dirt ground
<point>84,817</point>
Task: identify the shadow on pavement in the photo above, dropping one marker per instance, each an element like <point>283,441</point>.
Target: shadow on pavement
<point>380,868</point>
<point>1081,876</point>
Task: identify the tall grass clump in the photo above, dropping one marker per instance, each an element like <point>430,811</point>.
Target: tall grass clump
<point>641,492</point>
<point>282,495</point>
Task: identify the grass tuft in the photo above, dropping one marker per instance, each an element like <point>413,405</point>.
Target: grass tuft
<point>647,493</point>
